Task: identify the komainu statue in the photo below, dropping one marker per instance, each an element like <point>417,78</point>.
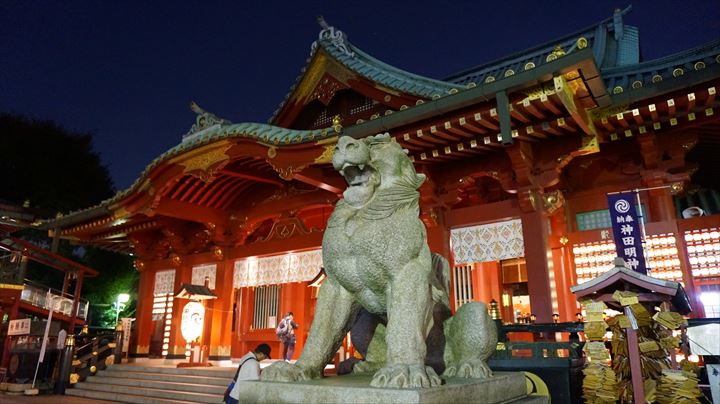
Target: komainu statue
<point>377,260</point>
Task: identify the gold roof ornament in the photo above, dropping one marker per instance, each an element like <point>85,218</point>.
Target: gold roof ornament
<point>337,124</point>
<point>556,53</point>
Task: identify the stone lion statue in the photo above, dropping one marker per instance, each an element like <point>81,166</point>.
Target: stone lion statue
<point>377,260</point>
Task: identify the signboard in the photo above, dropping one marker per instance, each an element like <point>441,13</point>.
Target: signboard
<point>19,327</point>
<point>626,230</point>
<point>193,316</point>
<point>127,330</point>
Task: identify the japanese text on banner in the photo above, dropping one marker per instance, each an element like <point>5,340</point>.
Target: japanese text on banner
<point>626,230</point>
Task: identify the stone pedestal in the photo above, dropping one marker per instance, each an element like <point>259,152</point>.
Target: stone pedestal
<point>503,388</point>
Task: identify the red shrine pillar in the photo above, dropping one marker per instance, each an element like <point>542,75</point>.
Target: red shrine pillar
<point>177,348</point>
<point>221,312</point>
<point>487,282</point>
<point>567,305</point>
<point>538,258</point>
<point>140,338</point>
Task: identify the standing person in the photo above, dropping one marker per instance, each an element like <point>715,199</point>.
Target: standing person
<point>286,333</point>
<point>249,369</point>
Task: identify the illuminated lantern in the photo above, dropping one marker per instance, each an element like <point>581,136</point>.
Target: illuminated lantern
<point>193,316</point>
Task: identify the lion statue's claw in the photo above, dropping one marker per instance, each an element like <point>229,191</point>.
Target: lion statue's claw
<point>469,369</point>
<point>286,372</point>
<point>366,367</point>
<point>406,377</point>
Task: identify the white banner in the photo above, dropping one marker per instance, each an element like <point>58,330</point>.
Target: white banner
<point>488,242</point>
<point>277,269</point>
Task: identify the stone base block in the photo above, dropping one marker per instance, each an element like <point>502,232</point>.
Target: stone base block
<point>504,387</point>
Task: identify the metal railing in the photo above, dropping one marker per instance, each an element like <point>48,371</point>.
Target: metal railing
<point>37,295</point>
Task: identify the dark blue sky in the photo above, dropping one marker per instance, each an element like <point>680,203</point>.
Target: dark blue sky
<point>127,70</point>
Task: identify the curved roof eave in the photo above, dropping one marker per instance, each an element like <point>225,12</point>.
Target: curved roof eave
<point>261,133</point>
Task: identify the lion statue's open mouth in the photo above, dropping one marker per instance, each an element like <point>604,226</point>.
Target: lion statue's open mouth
<point>357,175</point>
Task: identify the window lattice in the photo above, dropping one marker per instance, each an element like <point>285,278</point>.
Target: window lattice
<point>267,299</point>
<point>462,283</point>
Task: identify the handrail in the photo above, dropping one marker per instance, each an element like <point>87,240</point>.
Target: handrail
<point>83,361</point>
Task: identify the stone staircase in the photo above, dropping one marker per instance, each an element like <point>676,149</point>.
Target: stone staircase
<point>134,383</point>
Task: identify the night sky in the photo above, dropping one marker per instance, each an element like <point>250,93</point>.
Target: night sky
<point>127,70</point>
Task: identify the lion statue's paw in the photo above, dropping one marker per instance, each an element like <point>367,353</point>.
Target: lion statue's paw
<point>406,376</point>
<point>469,369</point>
<point>287,372</point>
<point>367,367</point>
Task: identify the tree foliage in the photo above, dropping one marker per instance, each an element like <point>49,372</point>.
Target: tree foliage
<point>57,170</point>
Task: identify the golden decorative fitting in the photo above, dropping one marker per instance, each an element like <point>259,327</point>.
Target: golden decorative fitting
<point>419,102</point>
<point>84,329</point>
<point>94,353</point>
<point>388,112</point>
<point>74,378</point>
<point>403,107</point>
<point>175,259</point>
<point>374,116</point>
<point>676,188</point>
<point>637,84</point>
<point>139,265</point>
<point>111,345</point>
<point>218,252</point>
<point>689,145</point>
<point>699,65</point>
<point>70,340</point>
<point>529,65</point>
<point>500,346</point>
<point>436,96</point>
<point>272,152</point>
<point>678,72</point>
<point>118,327</point>
<point>471,84</point>
<point>582,43</point>
<point>453,91</point>
<point>556,53</point>
<point>617,90</point>
<point>359,121</point>
<point>109,360</point>
<point>509,72</point>
<point>337,123</point>
<point>93,369</point>
<point>656,78</point>
<point>489,79</point>
<point>387,98</point>
<point>76,362</point>
<point>564,240</point>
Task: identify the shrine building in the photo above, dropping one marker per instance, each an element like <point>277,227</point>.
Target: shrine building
<point>519,155</point>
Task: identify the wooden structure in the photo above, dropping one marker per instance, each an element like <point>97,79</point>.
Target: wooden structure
<point>19,298</point>
<point>651,292</point>
<point>519,154</point>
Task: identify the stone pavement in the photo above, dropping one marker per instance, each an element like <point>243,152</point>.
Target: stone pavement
<point>47,399</point>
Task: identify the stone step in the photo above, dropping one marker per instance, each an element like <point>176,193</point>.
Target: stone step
<point>122,397</point>
<point>184,383</point>
<point>150,393</point>
<point>209,380</point>
<point>228,372</point>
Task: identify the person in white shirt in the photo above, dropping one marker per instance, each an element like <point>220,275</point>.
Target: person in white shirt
<point>249,369</point>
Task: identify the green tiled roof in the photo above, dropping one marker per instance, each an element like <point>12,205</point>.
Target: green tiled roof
<point>335,44</point>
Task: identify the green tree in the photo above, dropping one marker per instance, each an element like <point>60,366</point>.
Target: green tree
<point>57,170</point>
